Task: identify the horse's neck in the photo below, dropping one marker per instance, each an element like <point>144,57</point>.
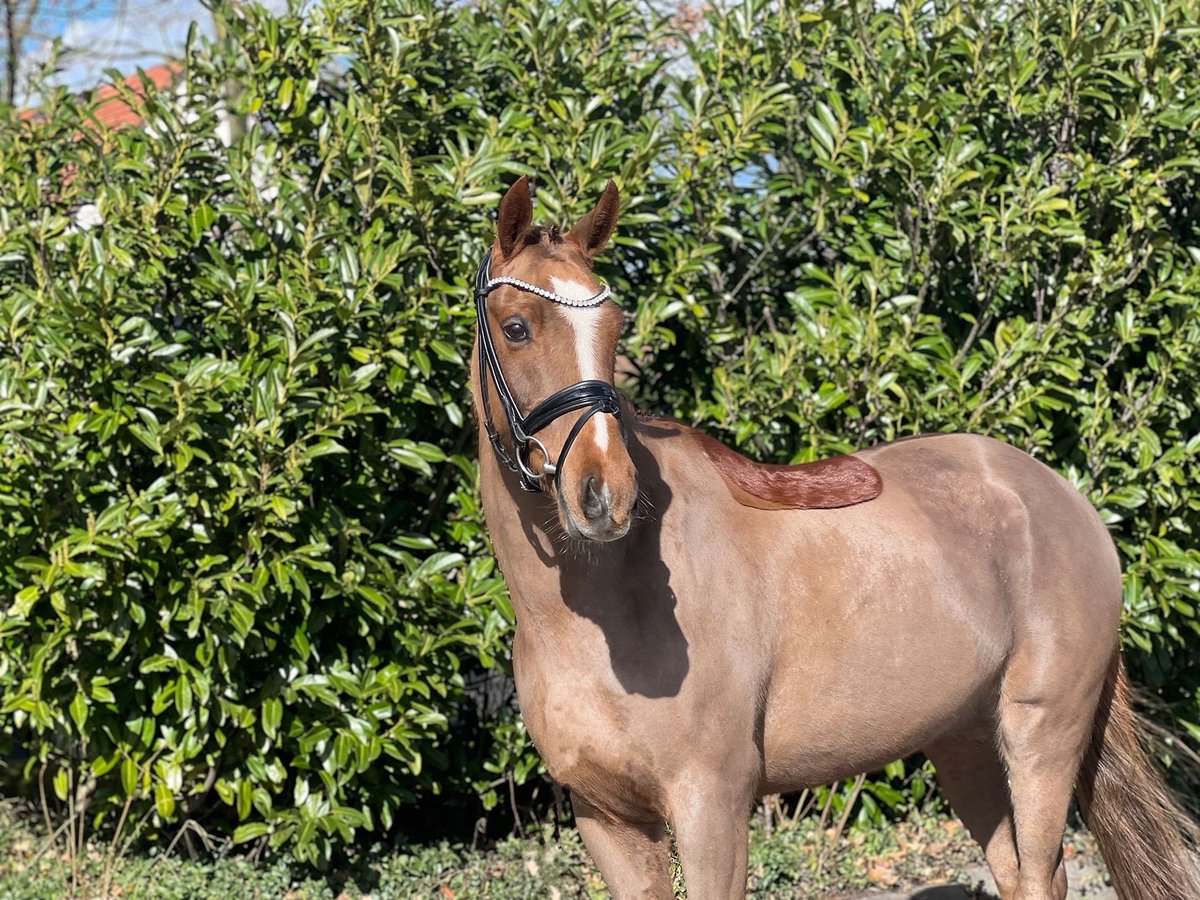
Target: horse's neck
<point>608,612</point>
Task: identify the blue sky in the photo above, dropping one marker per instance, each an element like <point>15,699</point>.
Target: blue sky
<point>121,34</point>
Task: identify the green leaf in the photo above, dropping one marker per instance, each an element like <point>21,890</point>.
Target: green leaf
<point>62,784</point>
<point>164,800</point>
<point>249,832</point>
<point>272,716</point>
<point>129,776</point>
<point>79,711</point>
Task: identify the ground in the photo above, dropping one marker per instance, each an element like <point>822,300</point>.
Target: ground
<point>1085,874</point>
<point>953,869</point>
<point>925,857</point>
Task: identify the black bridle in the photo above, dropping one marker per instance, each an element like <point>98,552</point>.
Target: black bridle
<point>592,396</point>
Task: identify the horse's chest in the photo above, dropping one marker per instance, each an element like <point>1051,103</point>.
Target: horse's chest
<point>581,729</point>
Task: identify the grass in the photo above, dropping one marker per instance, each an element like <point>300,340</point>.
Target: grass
<point>789,860</point>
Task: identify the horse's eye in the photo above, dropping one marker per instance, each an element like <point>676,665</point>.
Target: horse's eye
<point>516,331</point>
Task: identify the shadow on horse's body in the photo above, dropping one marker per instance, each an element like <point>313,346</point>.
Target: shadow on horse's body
<point>674,666</point>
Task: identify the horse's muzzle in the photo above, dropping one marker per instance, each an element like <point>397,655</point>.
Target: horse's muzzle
<point>604,514</point>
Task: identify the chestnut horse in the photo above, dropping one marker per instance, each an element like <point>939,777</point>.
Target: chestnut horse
<point>747,629</point>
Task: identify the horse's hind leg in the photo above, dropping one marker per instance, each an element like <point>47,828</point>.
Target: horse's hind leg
<point>971,776</point>
<point>1046,719</point>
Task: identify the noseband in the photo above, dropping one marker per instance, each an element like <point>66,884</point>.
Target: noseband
<point>592,396</point>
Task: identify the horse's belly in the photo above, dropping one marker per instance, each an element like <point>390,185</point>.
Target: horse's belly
<point>876,691</point>
<point>804,747</point>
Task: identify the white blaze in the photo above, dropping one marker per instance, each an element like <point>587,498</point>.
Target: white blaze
<point>585,322</point>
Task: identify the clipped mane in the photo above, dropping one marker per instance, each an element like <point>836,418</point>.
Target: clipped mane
<point>823,484</point>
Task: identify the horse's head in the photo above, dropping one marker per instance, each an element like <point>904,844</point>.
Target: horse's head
<point>550,344</point>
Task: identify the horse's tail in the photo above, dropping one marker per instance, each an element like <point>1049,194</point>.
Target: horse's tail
<point>1144,835</point>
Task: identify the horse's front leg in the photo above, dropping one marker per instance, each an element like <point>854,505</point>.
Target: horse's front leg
<point>712,823</point>
<point>635,860</point>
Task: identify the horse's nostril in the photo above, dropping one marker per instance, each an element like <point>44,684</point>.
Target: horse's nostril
<point>594,506</point>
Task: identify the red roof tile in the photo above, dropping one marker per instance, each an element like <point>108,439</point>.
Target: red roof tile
<point>113,112</point>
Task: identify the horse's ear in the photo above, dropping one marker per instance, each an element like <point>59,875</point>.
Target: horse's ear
<point>516,213</point>
<point>594,229</point>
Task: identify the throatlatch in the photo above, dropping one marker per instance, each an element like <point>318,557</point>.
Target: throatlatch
<point>592,396</point>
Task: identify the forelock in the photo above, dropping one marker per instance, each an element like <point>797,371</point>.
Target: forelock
<point>548,235</point>
<point>551,244</point>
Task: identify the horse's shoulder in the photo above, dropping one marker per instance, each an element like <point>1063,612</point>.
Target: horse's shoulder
<point>823,484</point>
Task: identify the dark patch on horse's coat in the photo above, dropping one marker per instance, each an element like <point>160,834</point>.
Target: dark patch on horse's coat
<point>824,484</point>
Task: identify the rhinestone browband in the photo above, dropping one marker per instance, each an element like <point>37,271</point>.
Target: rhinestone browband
<point>595,300</point>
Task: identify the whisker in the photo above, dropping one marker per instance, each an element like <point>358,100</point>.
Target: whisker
<point>643,507</point>
<point>552,526</point>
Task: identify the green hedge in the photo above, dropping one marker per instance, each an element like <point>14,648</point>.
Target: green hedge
<point>242,564</point>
